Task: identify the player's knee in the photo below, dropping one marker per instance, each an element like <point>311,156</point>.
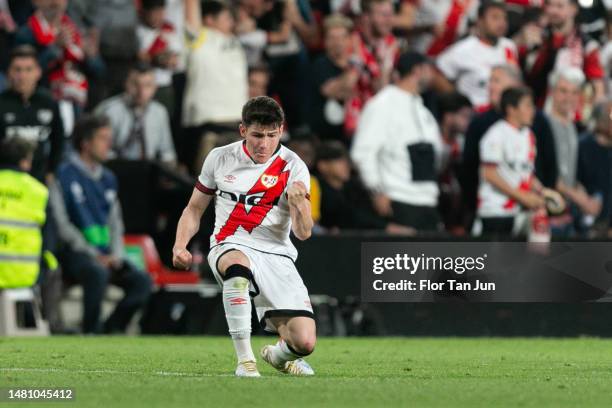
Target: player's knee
<point>237,271</point>
<point>304,344</point>
<point>231,259</point>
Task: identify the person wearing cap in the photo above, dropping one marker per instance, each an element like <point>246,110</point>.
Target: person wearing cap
<point>397,148</point>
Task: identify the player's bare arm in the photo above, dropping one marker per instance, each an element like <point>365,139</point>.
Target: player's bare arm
<point>527,198</point>
<point>188,226</point>
<point>299,208</point>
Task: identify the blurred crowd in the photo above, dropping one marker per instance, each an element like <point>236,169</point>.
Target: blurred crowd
<point>454,117</point>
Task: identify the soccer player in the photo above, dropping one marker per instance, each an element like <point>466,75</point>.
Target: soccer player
<point>260,190</point>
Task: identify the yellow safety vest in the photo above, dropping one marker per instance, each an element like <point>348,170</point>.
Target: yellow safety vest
<point>23,202</point>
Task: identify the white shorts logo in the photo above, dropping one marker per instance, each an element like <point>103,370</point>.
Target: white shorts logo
<point>269,181</point>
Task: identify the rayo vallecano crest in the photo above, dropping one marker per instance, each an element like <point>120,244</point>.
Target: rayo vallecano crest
<point>268,180</point>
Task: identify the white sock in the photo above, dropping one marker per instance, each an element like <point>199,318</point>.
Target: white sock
<point>237,305</point>
<point>281,353</point>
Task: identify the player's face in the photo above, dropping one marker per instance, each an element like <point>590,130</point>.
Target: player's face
<point>261,141</point>
<point>565,97</point>
<point>23,75</point>
<point>526,111</point>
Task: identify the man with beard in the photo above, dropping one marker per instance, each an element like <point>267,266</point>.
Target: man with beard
<point>564,45</point>
<point>397,148</point>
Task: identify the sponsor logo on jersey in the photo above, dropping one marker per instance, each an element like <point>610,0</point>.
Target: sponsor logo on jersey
<point>262,197</point>
<point>269,180</point>
<point>229,178</point>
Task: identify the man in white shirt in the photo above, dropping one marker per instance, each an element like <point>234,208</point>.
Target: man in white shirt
<point>468,63</point>
<point>397,148</point>
<point>217,82</point>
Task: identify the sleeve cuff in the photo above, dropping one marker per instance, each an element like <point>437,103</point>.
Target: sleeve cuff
<point>205,190</point>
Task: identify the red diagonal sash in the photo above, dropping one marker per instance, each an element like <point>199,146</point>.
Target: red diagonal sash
<point>253,218</point>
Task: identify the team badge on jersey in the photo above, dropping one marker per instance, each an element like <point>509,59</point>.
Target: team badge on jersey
<point>268,180</point>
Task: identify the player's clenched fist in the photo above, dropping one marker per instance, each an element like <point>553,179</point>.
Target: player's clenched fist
<point>296,194</point>
<point>181,258</point>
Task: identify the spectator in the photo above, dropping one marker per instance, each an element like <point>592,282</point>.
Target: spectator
<point>563,45</point>
<point>259,79</point>
<point>397,148</point>
<point>374,53</point>
<point>90,225</point>
<point>305,149</point>
<point>281,29</point>
<point>468,63</point>
<point>345,203</point>
<point>454,112</point>
<point>502,78</point>
<point>159,45</point>
<point>65,55</point>
<point>507,153</point>
<point>595,168</point>
<point>7,28</point>
<point>116,28</point>
<point>438,24</point>
<point>566,86</point>
<point>141,125</point>
<point>333,81</point>
<point>606,55</point>
<point>23,203</point>
<point>217,85</point>
<point>30,113</point>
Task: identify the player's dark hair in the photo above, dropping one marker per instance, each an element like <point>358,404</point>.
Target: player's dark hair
<point>141,67</point>
<point>487,5</point>
<point>23,51</point>
<point>14,150</point>
<point>86,128</point>
<point>212,8</point>
<point>264,111</point>
<point>512,98</point>
<point>152,4</point>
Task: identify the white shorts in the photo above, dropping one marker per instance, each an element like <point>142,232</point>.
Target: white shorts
<point>277,288</point>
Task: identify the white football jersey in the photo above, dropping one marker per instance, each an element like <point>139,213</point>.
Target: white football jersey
<point>469,63</point>
<point>514,153</point>
<point>251,206</point>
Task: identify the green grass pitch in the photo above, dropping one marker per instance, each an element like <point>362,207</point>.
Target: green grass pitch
<point>352,372</point>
